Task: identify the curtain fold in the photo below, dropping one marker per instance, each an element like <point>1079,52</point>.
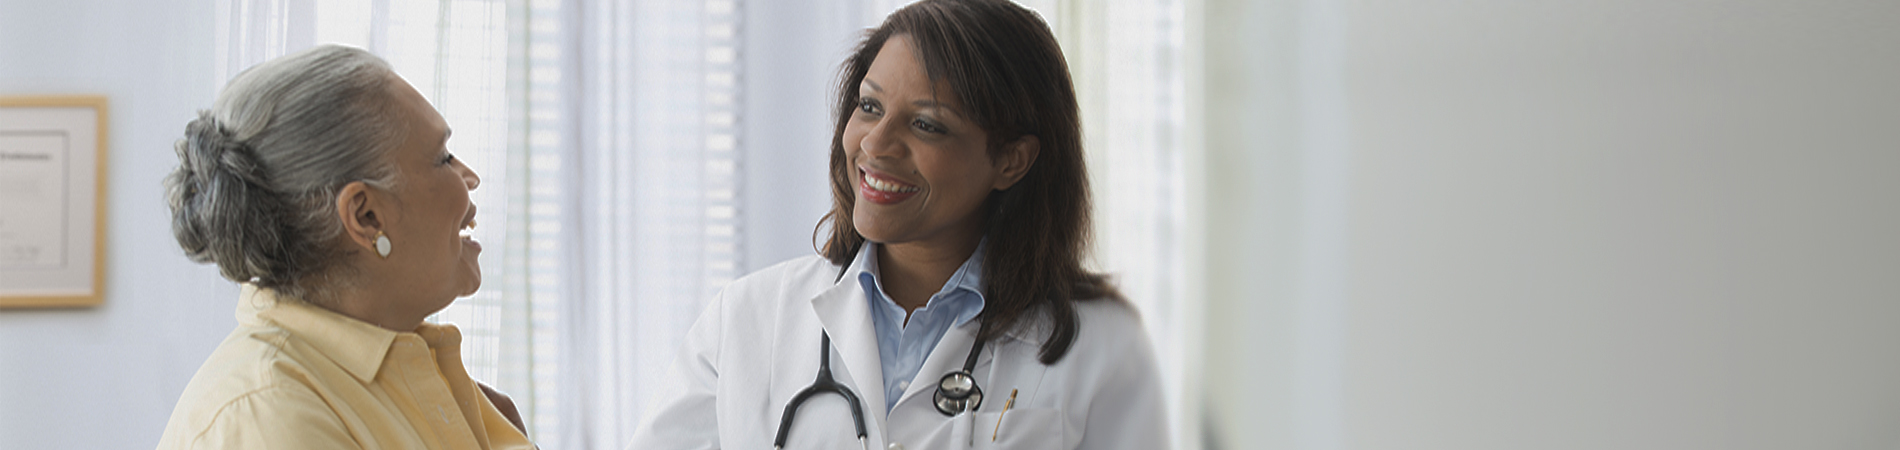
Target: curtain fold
<point>1133,66</point>
<point>651,208</point>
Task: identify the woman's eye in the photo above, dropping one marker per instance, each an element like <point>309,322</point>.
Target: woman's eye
<point>928,127</point>
<point>446,158</point>
<point>867,106</point>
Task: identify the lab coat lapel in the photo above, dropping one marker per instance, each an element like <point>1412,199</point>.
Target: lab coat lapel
<point>845,313</point>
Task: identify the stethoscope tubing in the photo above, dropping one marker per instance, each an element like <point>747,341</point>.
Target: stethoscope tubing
<point>824,383</point>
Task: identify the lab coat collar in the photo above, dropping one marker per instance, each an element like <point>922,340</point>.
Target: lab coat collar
<point>968,277</point>
<point>844,312</point>
<point>846,315</point>
<point>1033,333</point>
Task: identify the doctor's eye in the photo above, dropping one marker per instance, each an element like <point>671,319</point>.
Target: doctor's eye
<point>928,126</point>
<point>869,106</point>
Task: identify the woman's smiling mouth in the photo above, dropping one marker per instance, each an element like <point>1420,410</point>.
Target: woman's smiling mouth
<point>883,190</point>
<point>467,232</point>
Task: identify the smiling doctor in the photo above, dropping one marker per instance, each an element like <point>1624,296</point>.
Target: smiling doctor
<point>950,308</point>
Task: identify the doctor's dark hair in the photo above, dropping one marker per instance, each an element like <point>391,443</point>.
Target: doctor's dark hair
<point>258,174</point>
<point>1004,65</point>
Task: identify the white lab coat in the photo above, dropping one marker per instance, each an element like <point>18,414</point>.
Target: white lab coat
<point>757,344</point>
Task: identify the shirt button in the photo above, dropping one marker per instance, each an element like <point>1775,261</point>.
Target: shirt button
<point>896,446</point>
<point>903,385</point>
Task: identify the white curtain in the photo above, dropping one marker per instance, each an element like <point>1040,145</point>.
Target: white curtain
<point>1135,58</point>
<point>1133,66</point>
<point>650,200</point>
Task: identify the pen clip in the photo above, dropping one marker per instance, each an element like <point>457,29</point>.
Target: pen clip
<point>999,416</point>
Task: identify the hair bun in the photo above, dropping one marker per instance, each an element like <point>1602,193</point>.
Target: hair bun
<point>213,149</point>
<point>223,209</point>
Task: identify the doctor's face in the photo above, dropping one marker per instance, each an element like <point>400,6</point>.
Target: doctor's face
<point>918,164</point>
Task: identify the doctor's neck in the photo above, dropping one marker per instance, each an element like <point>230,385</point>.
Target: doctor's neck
<point>912,271</point>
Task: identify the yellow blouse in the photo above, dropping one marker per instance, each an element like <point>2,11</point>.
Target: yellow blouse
<point>296,376</point>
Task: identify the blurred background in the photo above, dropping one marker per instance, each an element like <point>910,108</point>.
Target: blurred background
<point>1471,224</point>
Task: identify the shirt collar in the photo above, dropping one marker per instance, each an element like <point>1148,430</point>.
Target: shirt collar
<point>968,277</point>
<point>354,344</point>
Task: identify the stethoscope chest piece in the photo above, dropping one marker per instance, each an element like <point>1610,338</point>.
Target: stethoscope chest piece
<point>957,392</point>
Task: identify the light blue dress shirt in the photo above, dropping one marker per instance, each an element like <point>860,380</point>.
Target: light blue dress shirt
<point>902,347</point>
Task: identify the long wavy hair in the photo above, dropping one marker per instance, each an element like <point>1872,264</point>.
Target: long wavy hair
<point>1005,66</point>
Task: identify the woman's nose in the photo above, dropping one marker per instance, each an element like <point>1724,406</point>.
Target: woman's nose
<point>880,141</point>
<point>468,176</point>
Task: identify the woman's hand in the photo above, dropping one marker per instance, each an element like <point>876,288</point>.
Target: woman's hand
<point>505,404</point>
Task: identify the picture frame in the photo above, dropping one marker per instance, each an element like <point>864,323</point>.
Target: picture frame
<point>52,201</point>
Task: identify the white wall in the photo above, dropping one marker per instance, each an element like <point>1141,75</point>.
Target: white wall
<point>1508,224</point>
<point>107,377</point>
<point>792,50</point>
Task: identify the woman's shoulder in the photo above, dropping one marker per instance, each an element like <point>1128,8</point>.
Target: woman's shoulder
<point>802,266</point>
<point>252,368</point>
<point>1104,328</point>
<point>1109,328</point>
<point>252,358</point>
<point>810,273</point>
<point>1112,313</point>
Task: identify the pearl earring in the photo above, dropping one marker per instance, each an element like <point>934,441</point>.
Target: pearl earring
<point>382,245</point>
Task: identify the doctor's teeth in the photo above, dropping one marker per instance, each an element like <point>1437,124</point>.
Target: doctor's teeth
<point>887,186</point>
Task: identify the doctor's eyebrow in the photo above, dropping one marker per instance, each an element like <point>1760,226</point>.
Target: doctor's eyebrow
<point>926,103</point>
<point>940,106</point>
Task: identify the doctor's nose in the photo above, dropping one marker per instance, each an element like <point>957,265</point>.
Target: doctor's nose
<point>881,141</point>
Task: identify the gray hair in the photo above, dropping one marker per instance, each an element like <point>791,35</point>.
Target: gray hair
<point>257,178</point>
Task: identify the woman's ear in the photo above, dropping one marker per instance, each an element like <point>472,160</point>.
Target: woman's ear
<point>360,210</point>
<point>1017,157</point>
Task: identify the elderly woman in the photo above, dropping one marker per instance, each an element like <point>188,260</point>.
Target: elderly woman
<point>320,181</point>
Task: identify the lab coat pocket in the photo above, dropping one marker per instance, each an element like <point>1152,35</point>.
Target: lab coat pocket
<point>1026,428</point>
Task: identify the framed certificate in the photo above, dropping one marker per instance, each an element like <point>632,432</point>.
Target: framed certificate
<point>52,201</point>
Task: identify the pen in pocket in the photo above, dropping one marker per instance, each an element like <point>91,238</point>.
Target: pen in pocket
<point>999,416</point>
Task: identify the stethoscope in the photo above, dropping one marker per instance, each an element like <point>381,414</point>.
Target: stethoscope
<point>957,391</point>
